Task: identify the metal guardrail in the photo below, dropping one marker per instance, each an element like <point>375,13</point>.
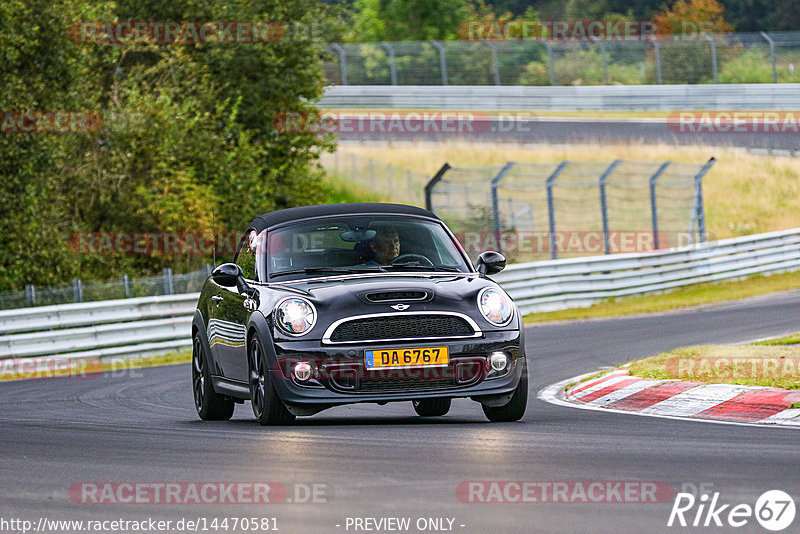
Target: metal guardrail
<point>127,327</point>
<point>153,325</point>
<point>723,97</point>
<point>579,282</point>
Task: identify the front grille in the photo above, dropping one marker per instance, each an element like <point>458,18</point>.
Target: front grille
<point>404,384</point>
<point>402,327</point>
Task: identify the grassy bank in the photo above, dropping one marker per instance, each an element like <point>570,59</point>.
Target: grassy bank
<point>776,365</point>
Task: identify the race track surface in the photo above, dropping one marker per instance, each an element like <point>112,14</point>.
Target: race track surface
<point>385,461</point>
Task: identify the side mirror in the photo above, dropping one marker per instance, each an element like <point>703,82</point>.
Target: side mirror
<point>491,262</point>
<point>227,275</point>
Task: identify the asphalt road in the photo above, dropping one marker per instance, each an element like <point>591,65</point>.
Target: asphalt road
<point>513,129</point>
<point>384,461</point>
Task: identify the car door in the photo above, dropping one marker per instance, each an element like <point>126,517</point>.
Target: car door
<point>232,315</point>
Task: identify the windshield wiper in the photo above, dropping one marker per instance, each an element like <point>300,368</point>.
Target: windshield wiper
<point>332,270</point>
<point>418,266</point>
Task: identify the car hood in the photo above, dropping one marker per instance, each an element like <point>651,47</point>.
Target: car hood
<point>339,297</point>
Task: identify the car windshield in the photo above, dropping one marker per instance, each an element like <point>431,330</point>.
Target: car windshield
<point>360,244</point>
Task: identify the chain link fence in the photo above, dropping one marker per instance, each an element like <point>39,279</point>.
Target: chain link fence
<point>165,284</point>
<point>693,58</point>
<point>382,180</point>
<point>532,211</point>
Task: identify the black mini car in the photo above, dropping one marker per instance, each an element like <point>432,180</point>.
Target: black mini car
<point>345,303</point>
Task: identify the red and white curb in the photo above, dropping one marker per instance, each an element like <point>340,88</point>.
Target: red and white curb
<point>617,391</point>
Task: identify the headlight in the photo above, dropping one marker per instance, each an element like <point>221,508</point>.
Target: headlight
<point>495,306</point>
<point>295,316</point>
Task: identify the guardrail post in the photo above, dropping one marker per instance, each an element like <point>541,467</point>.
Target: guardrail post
<point>126,283</point>
<point>551,62</point>
<point>30,294</point>
<point>657,53</point>
<point>653,205</point>
<point>392,64</point>
<point>771,55</point>
<point>431,184</point>
<point>551,207</point>
<point>699,214</point>
<point>168,288</point>
<point>495,63</point>
<point>342,61</point>
<point>77,290</point>
<point>496,202</point>
<point>604,204</point>
<point>713,55</point>
<point>442,60</point>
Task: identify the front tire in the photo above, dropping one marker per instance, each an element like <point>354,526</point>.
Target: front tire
<point>210,405</point>
<point>515,409</point>
<point>431,407</point>
<point>268,407</point>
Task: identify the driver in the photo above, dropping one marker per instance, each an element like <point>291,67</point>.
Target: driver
<point>385,246</point>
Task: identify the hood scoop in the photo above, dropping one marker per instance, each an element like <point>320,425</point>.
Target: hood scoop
<point>397,296</point>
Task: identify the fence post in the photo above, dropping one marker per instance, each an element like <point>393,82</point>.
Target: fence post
<point>392,64</point>
<point>371,167</point>
<point>126,283</point>
<point>352,166</point>
<point>77,290</point>
<point>431,184</point>
<point>442,60</point>
<point>30,294</point>
<point>699,214</point>
<point>657,52</point>
<point>551,62</point>
<point>771,55</point>
<point>713,55</point>
<point>495,65</point>
<point>653,205</point>
<point>603,56</point>
<point>496,202</point>
<point>342,61</point>
<point>604,204</point>
<point>551,205</point>
<point>168,288</point>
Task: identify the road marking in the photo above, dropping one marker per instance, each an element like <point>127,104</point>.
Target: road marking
<point>627,391</point>
<point>696,400</point>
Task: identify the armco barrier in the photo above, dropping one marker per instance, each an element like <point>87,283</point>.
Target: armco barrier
<point>723,97</point>
<point>152,325</point>
<point>577,282</point>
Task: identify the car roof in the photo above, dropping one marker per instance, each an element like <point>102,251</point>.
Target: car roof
<point>304,212</point>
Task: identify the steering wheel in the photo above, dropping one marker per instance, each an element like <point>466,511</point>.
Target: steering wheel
<point>412,257</point>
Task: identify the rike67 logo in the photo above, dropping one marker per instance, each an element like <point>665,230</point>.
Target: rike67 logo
<point>774,510</point>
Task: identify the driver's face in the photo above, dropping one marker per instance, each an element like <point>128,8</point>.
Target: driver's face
<point>386,247</point>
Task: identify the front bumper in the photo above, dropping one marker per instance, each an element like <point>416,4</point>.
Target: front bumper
<point>342,378</point>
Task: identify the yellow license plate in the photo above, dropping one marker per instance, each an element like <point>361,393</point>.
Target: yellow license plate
<point>388,358</point>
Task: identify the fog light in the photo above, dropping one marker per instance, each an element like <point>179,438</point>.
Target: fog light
<point>302,371</point>
<point>498,360</point>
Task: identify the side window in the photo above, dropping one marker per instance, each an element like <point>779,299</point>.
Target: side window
<point>246,257</point>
